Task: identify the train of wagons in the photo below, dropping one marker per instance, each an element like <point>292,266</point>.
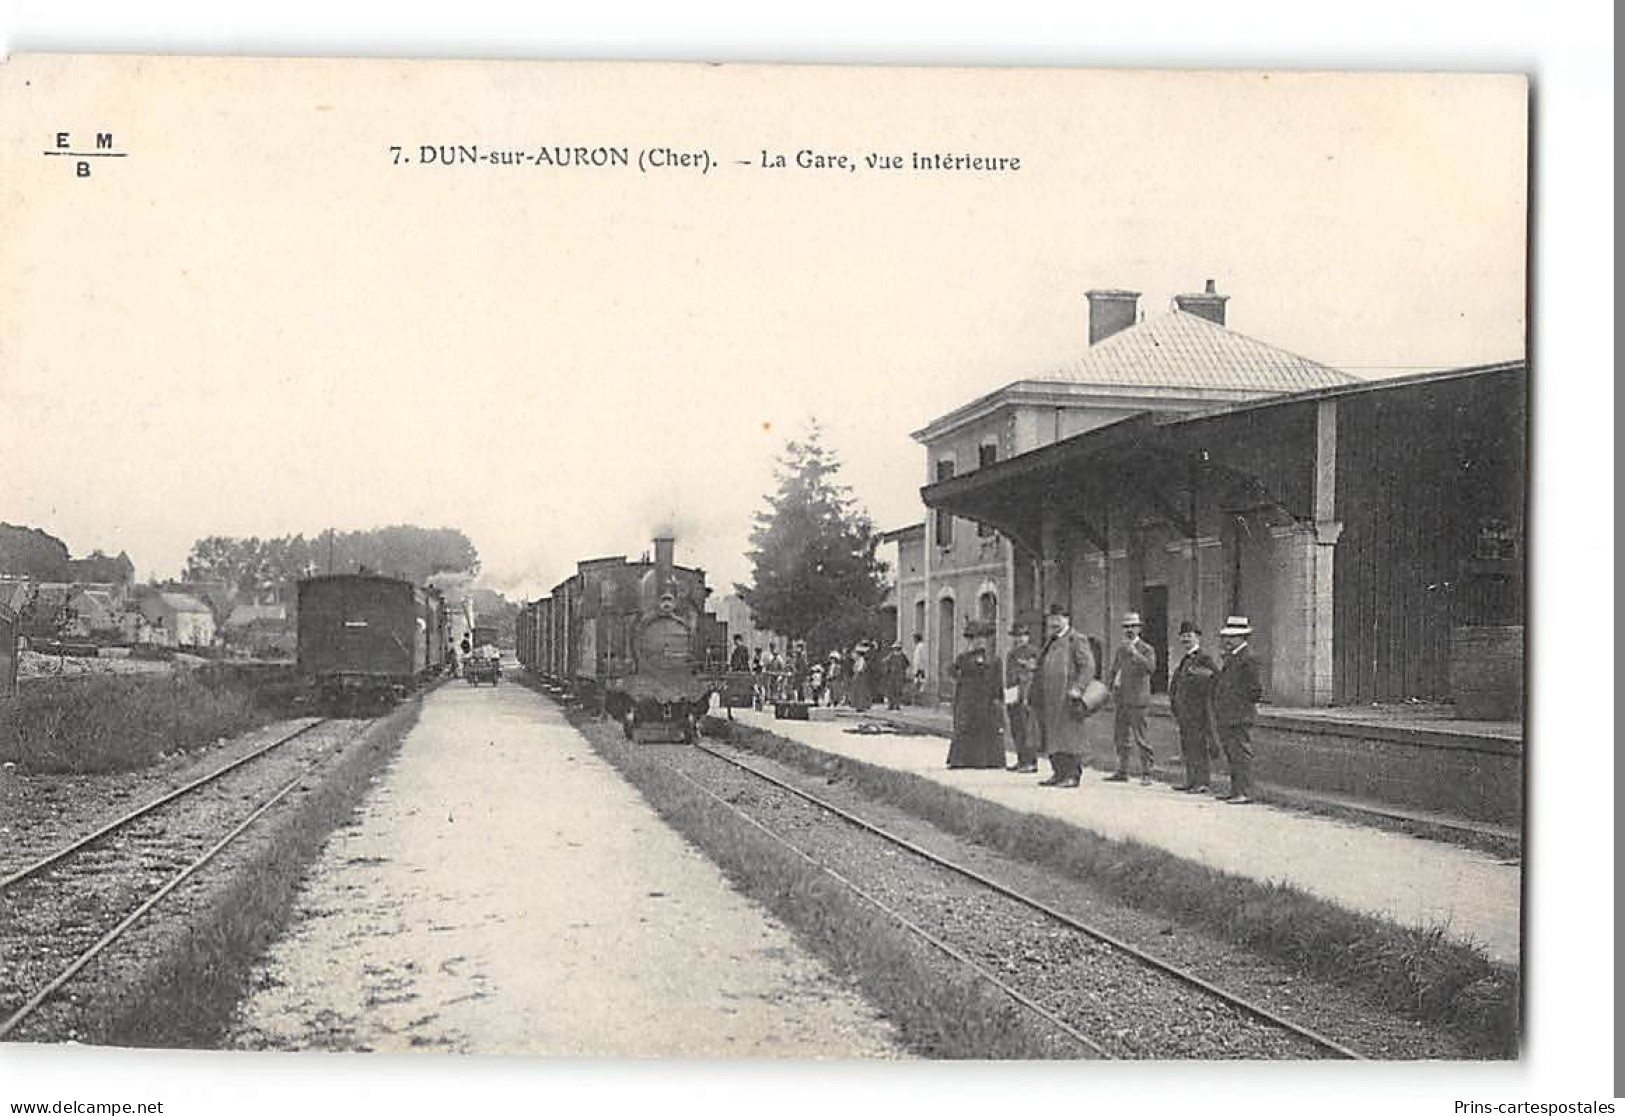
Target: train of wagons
<point>630,639</point>
<point>366,640</point>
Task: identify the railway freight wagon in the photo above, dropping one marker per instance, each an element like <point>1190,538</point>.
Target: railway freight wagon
<point>434,622</point>
<point>524,636</point>
<point>363,639</point>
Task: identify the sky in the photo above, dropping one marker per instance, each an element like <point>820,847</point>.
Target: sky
<point>259,324</point>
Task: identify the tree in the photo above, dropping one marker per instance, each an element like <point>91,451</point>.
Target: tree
<point>813,555</point>
<point>33,553</point>
<point>271,566</point>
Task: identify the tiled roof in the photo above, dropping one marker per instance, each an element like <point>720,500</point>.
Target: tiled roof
<point>1180,350</point>
<point>182,602</point>
<point>248,614</point>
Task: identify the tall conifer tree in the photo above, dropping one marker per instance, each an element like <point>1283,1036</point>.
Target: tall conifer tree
<point>816,576</point>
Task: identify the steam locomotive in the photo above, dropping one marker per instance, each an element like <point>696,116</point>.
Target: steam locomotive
<point>631,639</point>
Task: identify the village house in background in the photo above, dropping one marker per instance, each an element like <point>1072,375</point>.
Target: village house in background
<point>735,613</point>
<point>260,630</point>
<point>177,619</point>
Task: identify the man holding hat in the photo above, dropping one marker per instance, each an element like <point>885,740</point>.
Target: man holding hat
<point>1019,664</point>
<point>1131,692</point>
<point>1065,666</point>
<point>1236,693</point>
<point>1190,695</point>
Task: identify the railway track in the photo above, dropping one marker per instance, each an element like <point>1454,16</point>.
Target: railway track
<point>1190,1013</point>
<point>58,907</point>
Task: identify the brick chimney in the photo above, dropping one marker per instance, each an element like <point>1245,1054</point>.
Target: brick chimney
<point>1111,311</point>
<point>1209,304</point>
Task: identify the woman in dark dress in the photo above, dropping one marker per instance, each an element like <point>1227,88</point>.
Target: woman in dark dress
<point>978,703</point>
<point>862,678</point>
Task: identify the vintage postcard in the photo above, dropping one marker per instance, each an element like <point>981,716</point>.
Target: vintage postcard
<point>762,562</point>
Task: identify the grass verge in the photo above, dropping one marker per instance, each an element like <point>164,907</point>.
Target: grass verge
<point>98,724</point>
<point>939,1009</point>
<point>185,996</point>
<point>1415,973</point>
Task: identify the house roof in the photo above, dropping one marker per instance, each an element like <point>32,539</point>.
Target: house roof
<point>248,614</point>
<point>1178,349</point>
<point>183,602</point>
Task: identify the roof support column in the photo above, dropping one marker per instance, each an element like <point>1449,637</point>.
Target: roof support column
<point>1328,529</point>
<point>1049,557</point>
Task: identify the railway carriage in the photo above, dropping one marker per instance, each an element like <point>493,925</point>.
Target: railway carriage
<point>363,638</point>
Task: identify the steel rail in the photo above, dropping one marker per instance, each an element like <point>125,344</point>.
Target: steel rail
<point>1258,1011</point>
<point>142,811</point>
<point>107,939</point>
<point>957,954</point>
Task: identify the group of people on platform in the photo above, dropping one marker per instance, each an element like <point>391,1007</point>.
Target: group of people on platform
<point>1042,697</point>
<point>859,676</point>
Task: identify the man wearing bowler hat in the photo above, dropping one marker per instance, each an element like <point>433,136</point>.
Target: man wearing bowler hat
<point>1019,664</point>
<point>1056,698</point>
<point>1236,693</point>
<point>1131,693</point>
<point>1190,695</point>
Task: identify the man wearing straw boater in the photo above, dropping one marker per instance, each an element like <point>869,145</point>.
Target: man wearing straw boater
<point>1236,693</point>
<point>1131,693</point>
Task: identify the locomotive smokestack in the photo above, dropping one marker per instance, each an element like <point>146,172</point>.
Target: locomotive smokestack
<point>665,551</point>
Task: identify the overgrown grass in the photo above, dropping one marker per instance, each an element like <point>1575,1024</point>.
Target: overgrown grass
<point>102,723</point>
<point>1416,973</point>
<point>185,997</point>
<point>939,1009</point>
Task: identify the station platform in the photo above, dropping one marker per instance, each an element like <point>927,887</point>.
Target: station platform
<point>1471,896</point>
<point>1413,767</point>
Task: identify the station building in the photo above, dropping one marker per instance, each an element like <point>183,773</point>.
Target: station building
<point>1373,532</point>
<point>957,565</point>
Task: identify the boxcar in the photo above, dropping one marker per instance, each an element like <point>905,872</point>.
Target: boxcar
<point>362,638</point>
<point>434,620</point>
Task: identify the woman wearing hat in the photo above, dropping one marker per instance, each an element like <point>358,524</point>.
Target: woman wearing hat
<point>978,703</point>
<point>862,678</point>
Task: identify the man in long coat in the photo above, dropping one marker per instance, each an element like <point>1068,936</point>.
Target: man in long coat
<point>1064,666</point>
<point>1236,694</point>
<point>1190,695</point>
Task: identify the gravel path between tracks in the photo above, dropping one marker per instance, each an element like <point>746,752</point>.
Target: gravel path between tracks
<point>1133,1011</point>
<point>504,891</point>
